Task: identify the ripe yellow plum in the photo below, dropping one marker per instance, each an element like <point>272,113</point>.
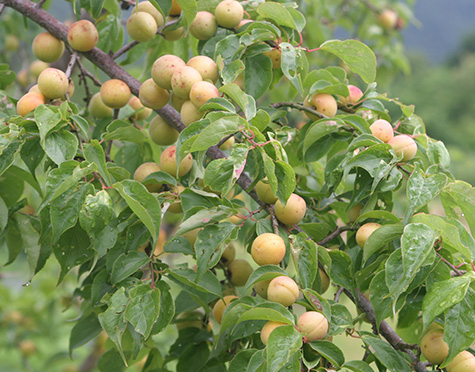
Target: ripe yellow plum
<point>293,212</point>
<point>365,231</point>
<point>53,83</point>
<point>83,36</point>
<point>268,249</point>
<point>433,346</point>
<point>240,271</point>
<point>264,192</point>
<point>47,48</point>
<point>229,13</point>
<point>115,93</point>
<point>98,109</point>
<point>153,96</point>
<point>183,79</point>
<point>405,145</point>
<point>190,113</point>
<point>168,162</point>
<point>161,132</point>
<point>141,26</point>
<point>283,290</point>
<point>204,26</point>
<point>267,330</point>
<point>142,112</point>
<point>163,69</point>
<point>382,130</point>
<point>29,102</point>
<point>201,92</point>
<point>205,66</point>
<point>323,103</point>
<point>313,325</point>
<point>220,307</point>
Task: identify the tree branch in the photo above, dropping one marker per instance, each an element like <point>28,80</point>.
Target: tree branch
<point>386,331</point>
<point>337,232</point>
<point>298,106</point>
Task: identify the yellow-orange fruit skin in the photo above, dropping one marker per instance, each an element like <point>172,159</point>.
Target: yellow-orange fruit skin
<point>388,19</point>
<point>175,10</point>
<point>261,288</point>
<point>47,48</point>
<point>275,56</point>
<point>382,130</point>
<point>205,66</point>
<point>405,145</point>
<point>228,255</point>
<point>153,96</point>
<point>159,247</point>
<point>229,13</point>
<point>313,325</point>
<point>220,307</point>
<point>163,69</point>
<point>143,171</point>
<point>53,83</point>
<point>365,231</point>
<point>183,79</point>
<point>268,249</point>
<point>161,132</point>
<point>354,212</point>
<point>293,212</point>
<point>201,92</point>
<point>240,271</point>
<point>228,144</point>
<point>115,93</point>
<point>204,26</point>
<point>98,109</point>
<point>324,281</point>
<point>323,103</point>
<point>29,102</point>
<point>147,6</point>
<point>433,346</point>
<point>141,26</point>
<point>283,290</point>
<point>189,113</point>
<point>264,192</point>
<point>168,162</point>
<point>83,36</point>
<point>142,112</point>
<point>354,96</point>
<point>463,362</point>
<point>267,330</point>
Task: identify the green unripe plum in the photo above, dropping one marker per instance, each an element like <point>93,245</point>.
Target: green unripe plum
<point>283,290</point>
<point>313,325</point>
<point>240,271</point>
<point>168,162</point>
<point>207,68</point>
<point>201,92</point>
<point>175,10</point>
<point>153,96</point>
<point>264,192</point>
<point>37,67</point>
<point>11,43</point>
<point>388,19</point>
<point>229,13</point>
<point>193,319</point>
<point>261,288</point>
<point>161,132</point>
<point>382,130</point>
<point>323,103</point>
<point>29,102</point>
<point>142,112</point>
<point>463,362</point>
<point>98,109</point>
<point>189,113</point>
<point>405,145</point>
<point>23,77</point>
<point>433,346</point>
<point>267,330</point>
<point>192,235</point>
<point>228,255</point>
<point>268,249</point>
<point>163,69</point>
<point>228,144</point>
<point>354,212</point>
<point>365,231</point>
<point>115,93</point>
<point>147,6</point>
<point>173,34</point>
<point>143,171</point>
<point>53,83</point>
<point>47,48</point>
<point>275,56</point>
<point>354,96</point>
<point>204,26</point>
<point>141,26</point>
<point>183,79</point>
<point>324,281</point>
<point>177,102</point>
<point>293,212</point>
<point>83,36</point>
<point>220,306</point>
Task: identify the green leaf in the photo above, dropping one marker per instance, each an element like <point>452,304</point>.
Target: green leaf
<point>422,188</point>
<point>459,330</point>
<point>380,215</point>
<point>282,344</point>
<point>30,238</point>
<point>307,260</point>
<point>392,359</point>
<point>329,351</point>
<point>266,272</point>
<point>96,7</point>
<point>438,153</point>
<point>143,309</point>
<point>277,13</point>
<point>461,195</point>
<point>257,75</point>
<point>127,264</point>
<point>202,218</point>
<point>378,296</point>
<point>96,213</point>
<point>32,153</point>
<point>113,319</point>
<point>358,366</point>
<point>187,278</point>
<point>241,360</point>
<point>244,101</point>
<point>94,153</point>
<point>444,295</point>
<point>286,181</point>
<point>86,329</point>
<point>110,25</point>
<point>46,119</point>
<point>189,8</point>
<point>65,209</point>
<point>267,311</point>
<point>381,237</point>
<point>210,245</point>
<point>356,55</point>
<point>121,130</point>
<point>61,146</point>
<point>217,130</point>
<point>143,204</point>
<point>167,308</point>
<point>341,270</point>
<point>289,64</point>
<point>417,250</point>
<point>3,215</point>
<point>8,154</point>
<point>317,131</point>
<point>24,175</point>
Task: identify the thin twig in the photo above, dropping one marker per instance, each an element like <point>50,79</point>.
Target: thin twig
<point>275,223</point>
<point>125,49</point>
<point>109,143</point>
<point>2,8</point>
<point>40,3</point>
<point>338,293</point>
<point>455,270</point>
<point>71,64</point>
<point>337,232</point>
<point>298,106</point>
<point>85,72</point>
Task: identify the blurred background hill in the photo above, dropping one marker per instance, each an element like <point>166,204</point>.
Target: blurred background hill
<point>441,84</point>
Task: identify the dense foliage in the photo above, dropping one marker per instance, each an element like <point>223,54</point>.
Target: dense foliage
<point>202,236</point>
